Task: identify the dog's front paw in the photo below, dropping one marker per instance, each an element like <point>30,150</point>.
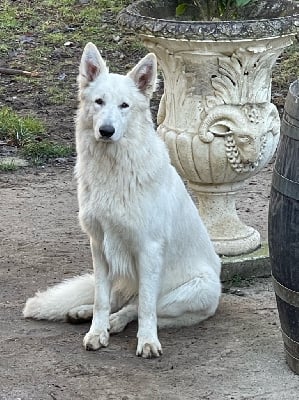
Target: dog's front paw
<point>148,348</point>
<point>94,341</point>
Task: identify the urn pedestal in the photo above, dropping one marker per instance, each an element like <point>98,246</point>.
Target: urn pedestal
<point>216,115</point>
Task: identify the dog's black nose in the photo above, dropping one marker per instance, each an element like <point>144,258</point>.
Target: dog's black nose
<point>106,131</point>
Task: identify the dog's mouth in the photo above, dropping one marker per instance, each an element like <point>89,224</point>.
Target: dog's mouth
<point>105,139</point>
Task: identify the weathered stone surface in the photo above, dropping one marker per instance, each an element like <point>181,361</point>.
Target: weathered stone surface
<point>264,18</point>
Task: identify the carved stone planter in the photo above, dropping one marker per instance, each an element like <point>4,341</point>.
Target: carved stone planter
<point>216,115</point>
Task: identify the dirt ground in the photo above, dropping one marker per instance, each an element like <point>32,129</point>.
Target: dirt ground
<point>238,354</point>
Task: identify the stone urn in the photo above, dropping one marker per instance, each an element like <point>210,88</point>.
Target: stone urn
<point>216,115</point>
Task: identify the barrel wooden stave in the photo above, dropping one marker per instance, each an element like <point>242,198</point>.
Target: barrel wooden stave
<point>284,227</point>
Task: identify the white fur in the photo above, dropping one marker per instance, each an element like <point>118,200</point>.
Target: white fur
<point>152,257</point>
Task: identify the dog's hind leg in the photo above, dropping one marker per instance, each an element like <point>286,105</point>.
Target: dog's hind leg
<point>189,303</point>
<point>80,314</point>
<point>118,298</point>
<point>120,319</point>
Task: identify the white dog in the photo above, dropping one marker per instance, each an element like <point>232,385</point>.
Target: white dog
<point>152,257</point>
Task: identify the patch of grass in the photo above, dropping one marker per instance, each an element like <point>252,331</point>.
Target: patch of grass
<point>55,38</point>
<point>8,166</point>
<point>28,133</point>
<point>8,18</point>
<point>56,23</point>
<point>57,95</point>
<point>3,48</point>
<point>39,151</point>
<point>17,129</point>
<point>287,70</point>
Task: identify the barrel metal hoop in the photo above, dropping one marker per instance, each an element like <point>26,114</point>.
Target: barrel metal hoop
<point>288,129</point>
<point>290,344</point>
<point>287,295</point>
<point>292,361</point>
<point>291,118</point>
<point>285,186</point>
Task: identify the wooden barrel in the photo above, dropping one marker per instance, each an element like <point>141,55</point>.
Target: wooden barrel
<point>284,227</point>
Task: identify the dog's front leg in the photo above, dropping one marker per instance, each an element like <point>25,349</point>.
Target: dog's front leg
<point>98,335</point>
<point>150,264</point>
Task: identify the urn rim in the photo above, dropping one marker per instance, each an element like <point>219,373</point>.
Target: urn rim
<point>142,17</point>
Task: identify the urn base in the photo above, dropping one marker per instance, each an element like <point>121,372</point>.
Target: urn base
<point>216,205</point>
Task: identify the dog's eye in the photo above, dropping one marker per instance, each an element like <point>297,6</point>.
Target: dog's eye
<point>124,105</point>
<point>100,102</point>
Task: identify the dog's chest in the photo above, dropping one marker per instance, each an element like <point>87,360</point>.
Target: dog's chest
<point>113,207</point>
<point>120,252</point>
<point>115,221</point>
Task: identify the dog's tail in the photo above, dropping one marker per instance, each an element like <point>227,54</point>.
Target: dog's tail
<point>57,301</point>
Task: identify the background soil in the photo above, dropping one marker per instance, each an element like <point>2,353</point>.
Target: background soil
<point>236,355</point>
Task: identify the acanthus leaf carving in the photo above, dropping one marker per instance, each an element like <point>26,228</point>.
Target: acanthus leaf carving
<point>243,77</point>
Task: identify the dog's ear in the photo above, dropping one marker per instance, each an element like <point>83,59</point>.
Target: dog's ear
<point>92,65</point>
<point>144,74</point>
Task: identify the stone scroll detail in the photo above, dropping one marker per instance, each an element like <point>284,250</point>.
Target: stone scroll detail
<point>245,130</point>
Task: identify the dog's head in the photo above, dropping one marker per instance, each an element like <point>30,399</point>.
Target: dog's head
<point>109,100</point>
